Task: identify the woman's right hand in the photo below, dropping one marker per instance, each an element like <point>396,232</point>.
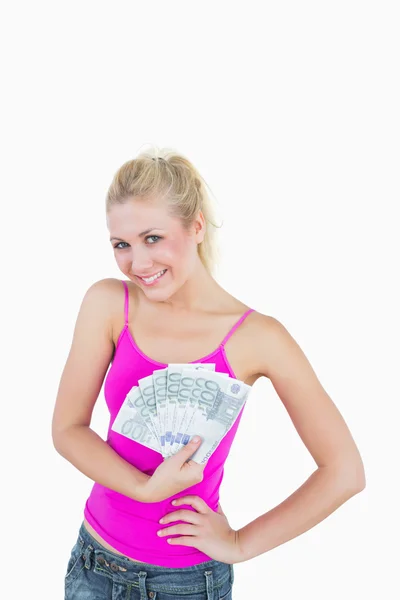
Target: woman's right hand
<point>173,475</point>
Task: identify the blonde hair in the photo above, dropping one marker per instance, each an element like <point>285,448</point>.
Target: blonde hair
<point>169,175</point>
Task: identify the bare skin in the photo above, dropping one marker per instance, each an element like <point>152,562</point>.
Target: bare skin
<point>158,333</point>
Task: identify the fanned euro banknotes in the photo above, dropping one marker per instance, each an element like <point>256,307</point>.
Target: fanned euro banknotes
<point>167,408</point>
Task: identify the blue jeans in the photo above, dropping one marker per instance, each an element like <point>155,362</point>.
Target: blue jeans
<point>95,573</point>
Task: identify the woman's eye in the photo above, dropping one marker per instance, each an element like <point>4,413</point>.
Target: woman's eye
<point>153,236</point>
<point>118,246</point>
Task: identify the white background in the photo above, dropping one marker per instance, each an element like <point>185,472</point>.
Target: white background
<point>290,111</point>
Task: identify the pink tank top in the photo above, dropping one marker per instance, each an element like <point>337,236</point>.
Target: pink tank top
<point>131,526</point>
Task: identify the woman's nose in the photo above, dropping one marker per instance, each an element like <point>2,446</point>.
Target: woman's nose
<point>141,261</point>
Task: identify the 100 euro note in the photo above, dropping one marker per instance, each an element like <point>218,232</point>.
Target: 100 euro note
<point>160,392</point>
<point>218,401</point>
<point>146,387</point>
<point>187,403</point>
<point>175,404</point>
<point>132,421</point>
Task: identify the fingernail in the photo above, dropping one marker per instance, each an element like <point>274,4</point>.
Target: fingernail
<point>196,439</point>
<point>173,502</point>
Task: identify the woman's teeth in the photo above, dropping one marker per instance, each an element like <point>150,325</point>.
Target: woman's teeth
<point>150,279</point>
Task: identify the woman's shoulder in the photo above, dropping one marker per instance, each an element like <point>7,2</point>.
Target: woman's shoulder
<point>254,325</point>
<point>111,286</point>
<point>114,285</point>
<point>112,291</point>
<point>236,307</point>
<point>258,326</point>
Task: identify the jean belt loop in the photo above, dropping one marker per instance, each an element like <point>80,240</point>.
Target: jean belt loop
<point>88,554</point>
<point>209,584</point>
<point>142,585</point>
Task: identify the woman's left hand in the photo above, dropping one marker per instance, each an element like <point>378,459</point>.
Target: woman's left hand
<point>206,530</point>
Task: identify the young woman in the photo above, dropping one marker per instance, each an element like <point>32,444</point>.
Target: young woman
<point>160,220</point>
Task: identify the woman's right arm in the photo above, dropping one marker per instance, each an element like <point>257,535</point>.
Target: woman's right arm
<point>81,381</point>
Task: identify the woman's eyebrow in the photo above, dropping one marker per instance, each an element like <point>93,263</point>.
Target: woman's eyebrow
<point>140,234</point>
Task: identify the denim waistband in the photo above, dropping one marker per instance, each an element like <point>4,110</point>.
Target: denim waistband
<point>204,577</point>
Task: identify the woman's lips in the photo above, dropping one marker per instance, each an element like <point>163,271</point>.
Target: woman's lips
<point>149,283</point>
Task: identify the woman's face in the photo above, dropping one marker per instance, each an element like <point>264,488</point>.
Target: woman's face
<point>146,240</point>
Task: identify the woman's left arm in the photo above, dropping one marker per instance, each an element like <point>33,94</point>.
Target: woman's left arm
<point>340,473</point>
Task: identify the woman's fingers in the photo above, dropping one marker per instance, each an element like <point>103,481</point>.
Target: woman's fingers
<point>182,515</point>
<point>182,529</point>
<point>195,501</point>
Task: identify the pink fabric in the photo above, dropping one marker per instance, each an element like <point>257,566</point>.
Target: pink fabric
<point>131,526</point>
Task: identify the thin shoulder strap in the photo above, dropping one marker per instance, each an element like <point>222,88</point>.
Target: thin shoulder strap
<point>236,325</point>
<point>126,301</point>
